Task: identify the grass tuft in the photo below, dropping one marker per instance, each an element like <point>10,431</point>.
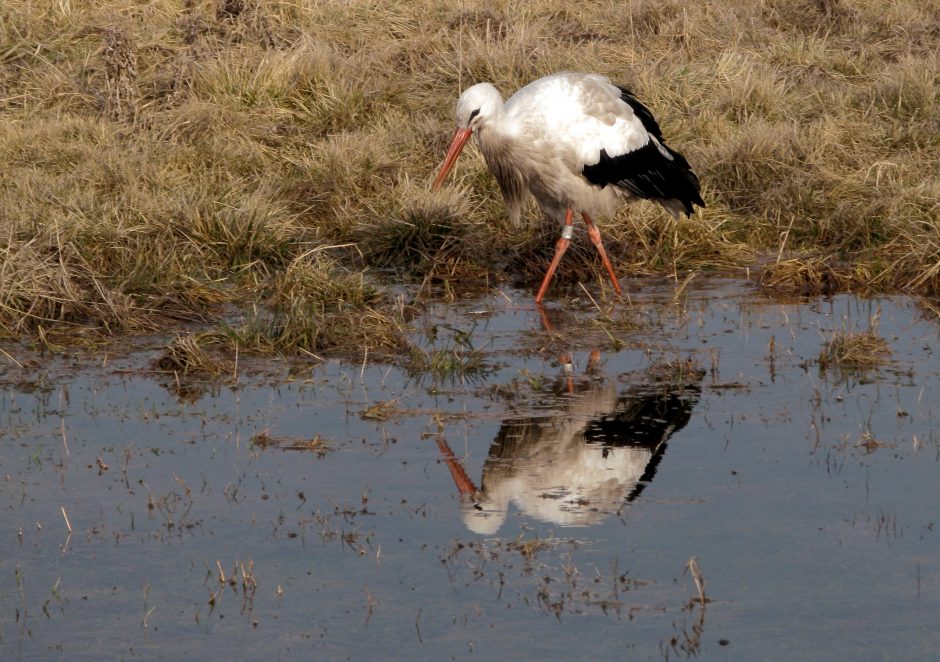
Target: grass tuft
<point>419,229</point>
<point>54,287</point>
<point>854,351</point>
<point>809,276</point>
<point>186,356</point>
<point>849,350</point>
<point>316,305</point>
<point>446,365</point>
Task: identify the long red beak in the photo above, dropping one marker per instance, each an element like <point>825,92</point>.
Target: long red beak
<point>460,139</point>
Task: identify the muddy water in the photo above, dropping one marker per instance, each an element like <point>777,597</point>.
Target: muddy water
<point>542,502</point>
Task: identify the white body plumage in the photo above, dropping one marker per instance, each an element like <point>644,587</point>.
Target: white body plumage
<point>545,135</point>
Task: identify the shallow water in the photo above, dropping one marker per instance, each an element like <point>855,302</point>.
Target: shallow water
<point>806,497</point>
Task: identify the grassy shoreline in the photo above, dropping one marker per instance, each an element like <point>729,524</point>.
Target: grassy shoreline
<point>161,160</point>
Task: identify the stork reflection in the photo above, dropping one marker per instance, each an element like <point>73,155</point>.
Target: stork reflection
<point>594,453</point>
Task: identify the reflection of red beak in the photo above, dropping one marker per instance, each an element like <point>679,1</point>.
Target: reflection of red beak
<point>460,139</point>
<point>461,479</point>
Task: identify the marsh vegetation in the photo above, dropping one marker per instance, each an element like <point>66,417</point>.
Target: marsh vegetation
<point>166,162</point>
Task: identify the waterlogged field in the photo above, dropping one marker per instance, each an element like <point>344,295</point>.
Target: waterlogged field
<point>716,474</point>
<point>700,470</point>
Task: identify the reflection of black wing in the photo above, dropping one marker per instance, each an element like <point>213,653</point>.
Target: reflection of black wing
<point>646,416</point>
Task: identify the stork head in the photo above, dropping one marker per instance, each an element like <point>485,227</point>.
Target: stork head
<point>475,107</point>
<point>483,517</point>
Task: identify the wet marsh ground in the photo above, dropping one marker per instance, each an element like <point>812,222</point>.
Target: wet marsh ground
<point>314,508</point>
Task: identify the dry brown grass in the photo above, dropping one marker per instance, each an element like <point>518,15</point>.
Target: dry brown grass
<point>806,276</point>
<point>315,305</point>
<point>854,350</point>
<point>851,350</point>
<point>157,159</point>
<point>186,356</point>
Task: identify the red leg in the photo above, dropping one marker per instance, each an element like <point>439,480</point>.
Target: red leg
<point>566,364</point>
<point>560,249</point>
<point>593,361</point>
<point>595,236</point>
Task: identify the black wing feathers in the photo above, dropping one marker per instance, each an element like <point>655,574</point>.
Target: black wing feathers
<point>641,111</point>
<point>649,172</point>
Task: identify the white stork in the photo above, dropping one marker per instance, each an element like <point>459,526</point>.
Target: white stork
<point>577,143</point>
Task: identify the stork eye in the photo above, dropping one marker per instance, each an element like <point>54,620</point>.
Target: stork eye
<point>473,114</point>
